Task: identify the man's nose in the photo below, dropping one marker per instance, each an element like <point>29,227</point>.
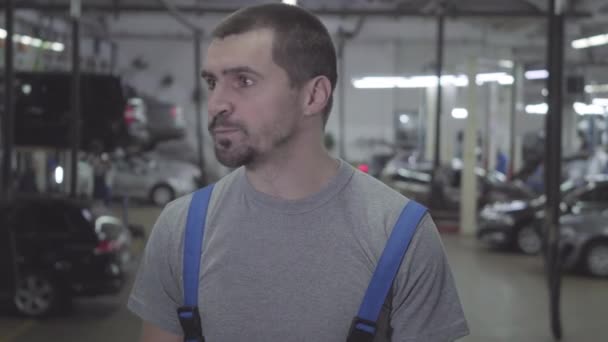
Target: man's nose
<point>219,103</point>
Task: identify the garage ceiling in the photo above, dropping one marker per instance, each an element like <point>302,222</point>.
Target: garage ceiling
<point>340,7</point>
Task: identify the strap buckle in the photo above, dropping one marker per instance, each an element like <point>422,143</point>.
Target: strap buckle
<point>361,330</point>
<point>190,321</point>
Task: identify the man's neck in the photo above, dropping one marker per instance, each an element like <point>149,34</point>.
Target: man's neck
<point>294,175</point>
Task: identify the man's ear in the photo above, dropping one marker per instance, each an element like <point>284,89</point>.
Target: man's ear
<point>317,92</point>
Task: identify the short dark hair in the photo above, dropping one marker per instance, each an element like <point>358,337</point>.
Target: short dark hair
<point>302,45</point>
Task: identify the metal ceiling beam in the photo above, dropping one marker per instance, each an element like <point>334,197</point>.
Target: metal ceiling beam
<point>534,4</point>
<point>324,11</point>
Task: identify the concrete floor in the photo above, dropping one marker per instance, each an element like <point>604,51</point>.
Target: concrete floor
<point>503,294</point>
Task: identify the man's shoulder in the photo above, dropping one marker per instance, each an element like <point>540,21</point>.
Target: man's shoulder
<point>375,193</point>
<point>375,204</point>
<point>183,202</point>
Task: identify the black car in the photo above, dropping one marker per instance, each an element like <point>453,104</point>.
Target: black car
<point>517,224</point>
<point>63,248</point>
<point>414,181</point>
<point>584,242</point>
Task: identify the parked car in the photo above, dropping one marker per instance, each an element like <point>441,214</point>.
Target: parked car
<point>152,178</point>
<point>584,242</point>
<point>151,121</point>
<point>414,181</point>
<point>517,224</point>
<point>64,248</point>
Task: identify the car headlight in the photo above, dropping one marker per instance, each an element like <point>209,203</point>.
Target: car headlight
<point>510,206</point>
<point>496,216</point>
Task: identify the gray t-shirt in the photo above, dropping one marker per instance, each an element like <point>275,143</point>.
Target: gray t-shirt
<point>279,270</point>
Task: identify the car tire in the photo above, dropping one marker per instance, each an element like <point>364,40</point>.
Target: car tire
<point>596,259</point>
<point>37,295</point>
<point>161,195</point>
<point>528,240</point>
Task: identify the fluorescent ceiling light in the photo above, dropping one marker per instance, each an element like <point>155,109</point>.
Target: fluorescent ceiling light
<point>455,80</point>
<point>536,74</point>
<point>36,42</point>
<point>291,2</point>
<point>541,108</point>
<point>586,109</point>
<point>583,43</point>
<point>460,113</point>
<point>500,77</point>
<point>26,40</point>
<point>387,82</point>
<point>505,63</point>
<point>600,102</point>
<point>58,47</point>
<point>596,88</point>
<point>404,118</point>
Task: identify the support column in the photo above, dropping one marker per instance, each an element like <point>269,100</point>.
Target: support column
<point>517,108</point>
<point>492,134</point>
<point>430,97</point>
<point>198,101</point>
<point>468,202</point>
<point>39,165</point>
<point>555,61</point>
<point>9,112</point>
<point>439,98</point>
<point>76,115</point>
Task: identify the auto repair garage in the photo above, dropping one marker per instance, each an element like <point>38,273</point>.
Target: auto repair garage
<point>491,114</point>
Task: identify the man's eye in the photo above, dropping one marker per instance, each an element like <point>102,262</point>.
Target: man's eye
<point>210,84</point>
<point>245,81</point>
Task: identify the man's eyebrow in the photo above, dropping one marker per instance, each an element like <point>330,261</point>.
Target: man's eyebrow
<point>207,74</point>
<point>234,70</point>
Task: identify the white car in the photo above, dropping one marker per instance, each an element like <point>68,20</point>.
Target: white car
<point>157,180</point>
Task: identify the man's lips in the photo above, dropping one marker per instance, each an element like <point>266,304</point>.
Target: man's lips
<point>225,130</point>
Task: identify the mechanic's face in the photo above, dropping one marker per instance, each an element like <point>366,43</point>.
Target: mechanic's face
<point>253,110</point>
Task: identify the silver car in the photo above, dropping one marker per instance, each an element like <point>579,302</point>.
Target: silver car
<point>584,242</point>
<point>151,178</point>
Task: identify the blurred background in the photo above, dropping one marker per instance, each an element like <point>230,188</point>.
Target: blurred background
<point>491,113</point>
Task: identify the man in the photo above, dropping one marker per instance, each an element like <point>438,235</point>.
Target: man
<point>292,235</point>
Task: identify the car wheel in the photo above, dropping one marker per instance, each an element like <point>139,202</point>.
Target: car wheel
<point>596,259</point>
<point>161,195</point>
<point>36,295</point>
<point>529,241</point>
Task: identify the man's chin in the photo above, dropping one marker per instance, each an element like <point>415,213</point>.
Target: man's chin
<point>232,160</point>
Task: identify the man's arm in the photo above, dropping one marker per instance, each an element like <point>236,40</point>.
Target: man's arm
<point>152,333</point>
<point>426,306</point>
<point>156,293</point>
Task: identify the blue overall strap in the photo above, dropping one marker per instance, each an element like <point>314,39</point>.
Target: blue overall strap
<point>363,328</point>
<point>188,314</point>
